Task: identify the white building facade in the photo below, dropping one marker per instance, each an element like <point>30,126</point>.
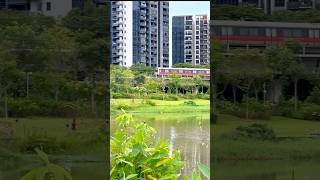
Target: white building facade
<point>140,33</point>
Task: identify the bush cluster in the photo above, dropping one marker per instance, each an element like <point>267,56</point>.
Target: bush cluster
<point>257,110</point>
<point>22,107</point>
<point>256,131</point>
<point>167,97</point>
<point>190,103</point>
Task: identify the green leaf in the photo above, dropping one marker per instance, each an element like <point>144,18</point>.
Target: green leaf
<point>42,173</point>
<point>165,160</point>
<point>168,177</point>
<point>59,172</point>
<point>31,175</point>
<point>195,176</point>
<point>42,156</point>
<point>131,176</point>
<point>205,170</point>
<point>129,163</point>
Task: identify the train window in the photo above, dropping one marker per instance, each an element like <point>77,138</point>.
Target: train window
<point>224,31</point>
<point>311,33</point>
<point>316,33</point>
<point>253,31</point>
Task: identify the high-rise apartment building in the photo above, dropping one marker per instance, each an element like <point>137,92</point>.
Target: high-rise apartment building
<point>190,39</point>
<point>270,6</point>
<point>140,33</point>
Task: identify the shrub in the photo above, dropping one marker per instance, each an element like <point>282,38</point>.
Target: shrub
<point>190,103</point>
<point>59,109</point>
<point>157,96</point>
<point>257,110</point>
<point>22,107</point>
<point>171,97</point>
<point>315,96</point>
<point>121,95</point>
<point>256,131</point>
<point>168,97</point>
<point>151,103</point>
<point>134,155</point>
<point>205,96</point>
<point>284,107</point>
<point>123,106</point>
<point>307,111</point>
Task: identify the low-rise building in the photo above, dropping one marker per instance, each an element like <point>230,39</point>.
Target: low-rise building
<point>55,8</point>
<point>269,6</point>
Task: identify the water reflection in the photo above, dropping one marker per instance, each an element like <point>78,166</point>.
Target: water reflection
<point>172,137</point>
<point>191,136</point>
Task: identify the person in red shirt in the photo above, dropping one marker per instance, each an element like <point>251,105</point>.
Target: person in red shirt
<point>74,124</point>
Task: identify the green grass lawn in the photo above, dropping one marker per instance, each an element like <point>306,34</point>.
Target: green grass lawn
<point>301,146</point>
<point>79,145</point>
<point>284,127</point>
<point>53,127</point>
<point>164,109</point>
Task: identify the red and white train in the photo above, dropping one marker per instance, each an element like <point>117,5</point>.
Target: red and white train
<point>184,72</point>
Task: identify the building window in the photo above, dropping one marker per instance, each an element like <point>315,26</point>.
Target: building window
<point>280,3</point>
<point>48,6</point>
<point>39,6</point>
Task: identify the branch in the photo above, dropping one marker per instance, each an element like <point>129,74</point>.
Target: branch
<point>5,88</point>
<point>222,91</point>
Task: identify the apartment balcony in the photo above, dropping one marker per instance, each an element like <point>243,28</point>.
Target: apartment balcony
<point>117,14</point>
<point>142,17</point>
<point>303,4</point>
<point>143,5</point>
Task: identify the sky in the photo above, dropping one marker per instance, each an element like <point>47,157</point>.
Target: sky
<point>178,8</point>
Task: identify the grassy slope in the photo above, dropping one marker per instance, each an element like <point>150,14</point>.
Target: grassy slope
<point>225,148</point>
<point>56,128</point>
<point>283,126</point>
<point>164,110</point>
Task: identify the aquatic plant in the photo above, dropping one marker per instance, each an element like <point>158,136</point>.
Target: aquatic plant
<point>136,155</point>
<point>49,171</point>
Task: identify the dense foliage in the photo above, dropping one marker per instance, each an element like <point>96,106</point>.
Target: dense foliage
<point>256,131</point>
<point>140,82</point>
<point>135,154</point>
<point>54,67</point>
<point>244,83</point>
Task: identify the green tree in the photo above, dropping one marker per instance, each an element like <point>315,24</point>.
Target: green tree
<point>58,46</point>
<point>199,82</point>
<point>121,79</point>
<point>8,76</point>
<point>174,82</point>
<point>151,85</point>
<point>283,62</point>
<point>248,66</point>
<point>142,69</point>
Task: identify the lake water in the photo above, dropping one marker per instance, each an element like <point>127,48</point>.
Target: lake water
<point>266,170</point>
